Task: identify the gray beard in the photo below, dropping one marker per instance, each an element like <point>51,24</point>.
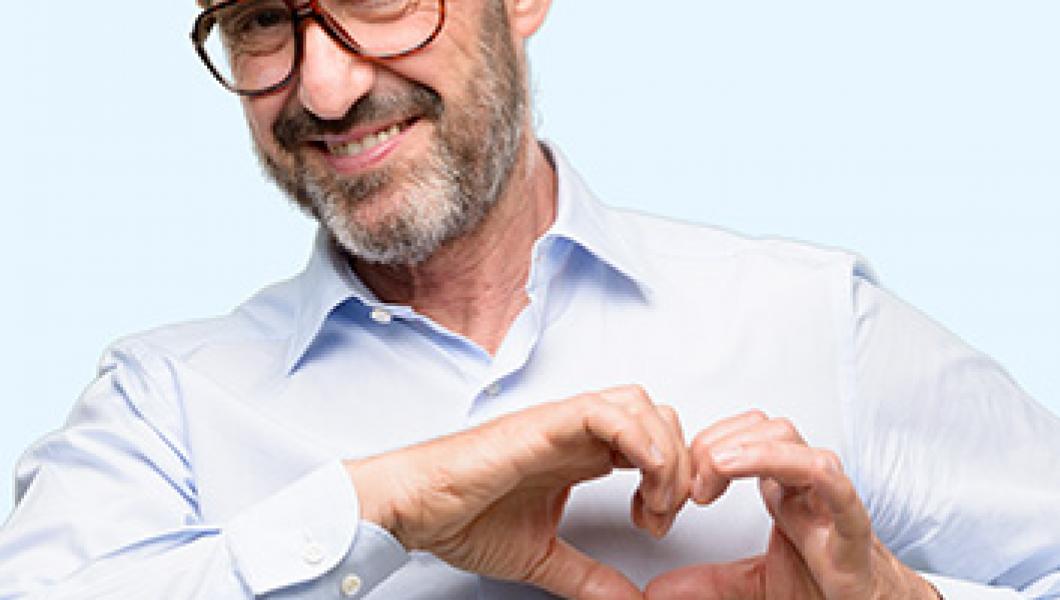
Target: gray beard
<point>447,194</point>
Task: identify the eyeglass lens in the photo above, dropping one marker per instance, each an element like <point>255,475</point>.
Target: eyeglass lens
<point>251,44</point>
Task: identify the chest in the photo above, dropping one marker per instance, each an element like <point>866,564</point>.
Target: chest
<point>709,355</point>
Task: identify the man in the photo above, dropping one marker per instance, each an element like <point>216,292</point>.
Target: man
<point>420,413</point>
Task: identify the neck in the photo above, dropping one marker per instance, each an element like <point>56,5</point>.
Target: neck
<point>475,285</point>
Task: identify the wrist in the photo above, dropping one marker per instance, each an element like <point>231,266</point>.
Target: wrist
<point>933,592</point>
<point>903,580</point>
<point>919,587</point>
<point>373,495</point>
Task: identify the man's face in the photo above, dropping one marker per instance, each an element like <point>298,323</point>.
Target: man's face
<point>397,158</point>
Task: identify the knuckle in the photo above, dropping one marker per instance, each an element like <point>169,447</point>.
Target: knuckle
<point>833,460</point>
<point>582,400</point>
<point>827,463</point>
<point>629,396</point>
<point>700,446</point>
<point>847,494</point>
<point>639,393</point>
<point>668,413</point>
<point>785,427</point>
<point>611,414</point>
<point>756,415</point>
<point>586,403</point>
<point>755,452</point>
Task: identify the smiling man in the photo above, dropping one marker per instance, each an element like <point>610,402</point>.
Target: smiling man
<point>436,408</point>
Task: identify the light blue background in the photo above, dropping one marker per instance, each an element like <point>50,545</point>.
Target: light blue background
<point>924,134</point>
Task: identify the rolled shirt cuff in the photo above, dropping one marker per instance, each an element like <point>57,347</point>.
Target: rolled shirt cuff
<point>308,541</point>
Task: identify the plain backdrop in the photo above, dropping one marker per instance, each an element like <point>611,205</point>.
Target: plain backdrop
<point>924,135</point>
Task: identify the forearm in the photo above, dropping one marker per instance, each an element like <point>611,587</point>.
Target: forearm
<point>302,542</point>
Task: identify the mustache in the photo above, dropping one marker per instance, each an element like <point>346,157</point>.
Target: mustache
<point>296,125</point>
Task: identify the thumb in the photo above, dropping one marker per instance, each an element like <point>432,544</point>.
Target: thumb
<point>568,573</point>
<point>730,581</point>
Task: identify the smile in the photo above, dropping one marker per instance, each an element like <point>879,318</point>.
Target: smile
<point>360,145</point>
<point>363,144</point>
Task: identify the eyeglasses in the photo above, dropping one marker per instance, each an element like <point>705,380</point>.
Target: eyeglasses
<point>254,47</point>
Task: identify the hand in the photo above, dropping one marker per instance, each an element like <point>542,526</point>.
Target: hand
<point>822,544</point>
<point>489,500</point>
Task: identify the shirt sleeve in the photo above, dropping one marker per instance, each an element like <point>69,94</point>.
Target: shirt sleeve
<point>108,507</point>
<point>959,469</point>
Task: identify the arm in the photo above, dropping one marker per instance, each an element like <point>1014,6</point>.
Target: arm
<point>109,506</point>
<point>489,500</point>
<point>958,467</point>
<point>950,470</point>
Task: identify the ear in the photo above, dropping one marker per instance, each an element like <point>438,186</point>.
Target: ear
<point>527,16</point>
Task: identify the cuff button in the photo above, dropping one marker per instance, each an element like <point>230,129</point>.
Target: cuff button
<point>351,584</point>
<point>312,553</point>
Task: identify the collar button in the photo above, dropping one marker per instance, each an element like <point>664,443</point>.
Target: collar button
<point>381,316</point>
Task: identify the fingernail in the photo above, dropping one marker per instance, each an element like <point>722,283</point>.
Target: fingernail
<point>667,501</point>
<point>699,489</point>
<point>668,524</point>
<point>657,525</point>
<point>659,531</point>
<point>773,495</point>
<point>637,517</point>
<point>726,457</point>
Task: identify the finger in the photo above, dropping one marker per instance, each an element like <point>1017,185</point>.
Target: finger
<point>770,430</point>
<point>711,483</point>
<point>729,425</point>
<point>630,440</point>
<point>707,484</point>
<point>851,519</point>
<point>791,464</point>
<point>683,480</point>
<point>794,466</point>
<point>846,545</point>
<point>656,524</point>
<point>620,461</point>
<point>568,573</point>
<point>772,495</point>
<point>671,491</point>
<point>612,425</point>
<point>658,488</point>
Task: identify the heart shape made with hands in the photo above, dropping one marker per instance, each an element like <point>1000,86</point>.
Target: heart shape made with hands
<point>821,545</point>
<point>489,500</point>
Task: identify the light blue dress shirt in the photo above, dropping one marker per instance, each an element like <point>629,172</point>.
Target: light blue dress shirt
<point>203,462</point>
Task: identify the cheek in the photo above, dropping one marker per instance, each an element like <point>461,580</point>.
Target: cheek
<point>261,113</point>
<point>447,64</point>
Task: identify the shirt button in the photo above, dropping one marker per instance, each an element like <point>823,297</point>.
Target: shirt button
<point>351,584</point>
<point>312,553</point>
<point>494,389</point>
<point>381,316</point>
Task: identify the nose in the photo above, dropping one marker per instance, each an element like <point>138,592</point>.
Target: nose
<point>331,79</point>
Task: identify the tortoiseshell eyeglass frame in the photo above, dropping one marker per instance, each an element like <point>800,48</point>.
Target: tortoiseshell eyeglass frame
<point>300,13</point>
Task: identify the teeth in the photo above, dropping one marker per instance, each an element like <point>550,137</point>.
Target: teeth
<point>364,144</point>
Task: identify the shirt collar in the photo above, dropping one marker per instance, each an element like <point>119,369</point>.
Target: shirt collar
<point>584,220</point>
<point>328,281</point>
